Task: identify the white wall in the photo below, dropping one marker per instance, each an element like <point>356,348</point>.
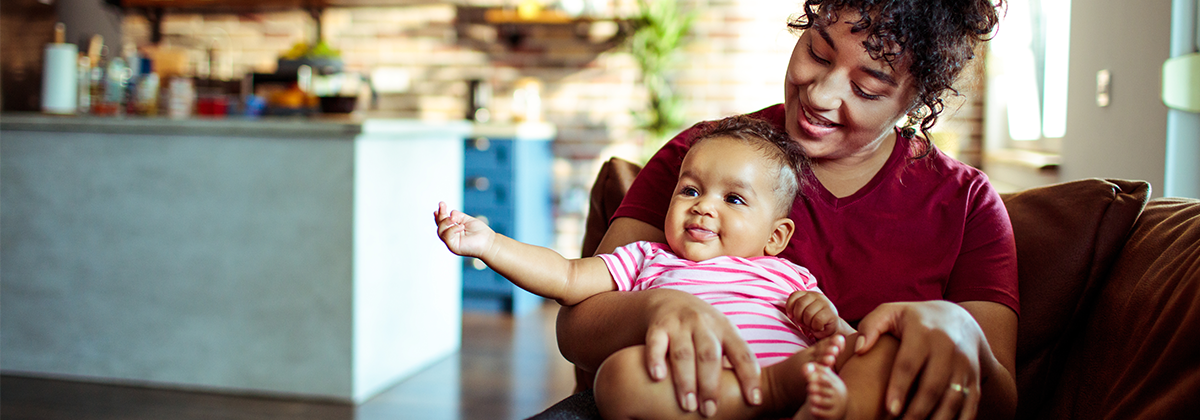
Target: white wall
<point>1127,139</point>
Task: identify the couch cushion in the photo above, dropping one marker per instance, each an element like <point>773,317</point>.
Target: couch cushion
<point>1139,356</point>
<point>1067,236</point>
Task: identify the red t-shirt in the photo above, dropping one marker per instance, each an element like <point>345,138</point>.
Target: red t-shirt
<point>921,229</point>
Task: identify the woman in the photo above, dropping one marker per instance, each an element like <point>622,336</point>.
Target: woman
<point>906,241</point>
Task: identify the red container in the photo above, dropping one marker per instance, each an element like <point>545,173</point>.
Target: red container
<point>212,105</point>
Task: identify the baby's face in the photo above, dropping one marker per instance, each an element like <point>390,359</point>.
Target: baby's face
<point>724,202</point>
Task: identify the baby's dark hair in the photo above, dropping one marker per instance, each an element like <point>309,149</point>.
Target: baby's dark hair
<point>775,145</point>
<point>936,38</point>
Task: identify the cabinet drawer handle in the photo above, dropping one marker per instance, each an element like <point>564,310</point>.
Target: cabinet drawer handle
<point>480,183</point>
<point>481,144</point>
<point>478,264</point>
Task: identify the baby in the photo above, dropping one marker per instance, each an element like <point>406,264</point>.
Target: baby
<point>726,222</point>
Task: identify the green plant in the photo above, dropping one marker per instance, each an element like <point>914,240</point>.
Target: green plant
<point>659,31</point>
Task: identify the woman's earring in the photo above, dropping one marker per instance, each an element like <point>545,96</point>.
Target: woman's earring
<point>909,130</point>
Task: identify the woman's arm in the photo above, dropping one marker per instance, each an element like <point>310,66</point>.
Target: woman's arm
<point>948,346</point>
<point>674,325</point>
<point>999,383</point>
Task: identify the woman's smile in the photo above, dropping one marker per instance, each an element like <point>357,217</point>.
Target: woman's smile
<point>815,125</point>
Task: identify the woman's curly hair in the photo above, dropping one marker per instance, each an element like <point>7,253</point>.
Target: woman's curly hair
<point>936,38</point>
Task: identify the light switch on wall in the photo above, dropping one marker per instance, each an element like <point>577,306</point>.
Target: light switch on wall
<point>1103,86</point>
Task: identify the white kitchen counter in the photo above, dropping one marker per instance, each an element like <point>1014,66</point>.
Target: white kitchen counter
<point>284,257</point>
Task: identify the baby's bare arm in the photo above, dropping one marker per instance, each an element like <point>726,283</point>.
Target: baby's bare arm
<point>546,273</point>
<point>537,269</point>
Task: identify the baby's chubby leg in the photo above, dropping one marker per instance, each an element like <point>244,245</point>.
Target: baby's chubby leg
<point>624,389</point>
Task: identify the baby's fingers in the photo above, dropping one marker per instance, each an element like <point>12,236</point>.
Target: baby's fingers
<point>437,214</point>
<point>824,324</point>
<point>797,304</point>
<point>444,215</point>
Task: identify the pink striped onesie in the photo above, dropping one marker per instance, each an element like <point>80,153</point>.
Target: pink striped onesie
<point>752,292</point>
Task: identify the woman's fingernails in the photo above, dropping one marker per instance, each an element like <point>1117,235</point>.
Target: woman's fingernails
<point>756,395</point>
<point>659,372</point>
<point>894,407</point>
<point>709,409</point>
<point>690,402</point>
<point>859,343</point>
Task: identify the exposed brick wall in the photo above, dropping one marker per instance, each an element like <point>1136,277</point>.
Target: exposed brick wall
<point>733,63</point>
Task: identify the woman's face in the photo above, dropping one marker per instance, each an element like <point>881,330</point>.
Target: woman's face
<point>840,102</point>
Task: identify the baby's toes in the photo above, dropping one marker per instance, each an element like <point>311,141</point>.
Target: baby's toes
<point>825,352</point>
<point>826,392</point>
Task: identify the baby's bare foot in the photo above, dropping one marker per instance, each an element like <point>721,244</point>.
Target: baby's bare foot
<point>826,351</point>
<point>788,379</point>
<point>826,394</point>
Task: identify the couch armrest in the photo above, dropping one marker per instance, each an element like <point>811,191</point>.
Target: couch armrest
<point>1139,355</point>
<point>1068,235</point>
<point>615,177</point>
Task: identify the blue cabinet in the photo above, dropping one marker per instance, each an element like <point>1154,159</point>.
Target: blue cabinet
<point>508,183</point>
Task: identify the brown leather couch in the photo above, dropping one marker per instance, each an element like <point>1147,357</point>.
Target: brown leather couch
<point>1110,296</point>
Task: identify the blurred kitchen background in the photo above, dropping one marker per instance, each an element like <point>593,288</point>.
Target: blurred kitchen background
<point>1067,91</point>
<point>424,56</point>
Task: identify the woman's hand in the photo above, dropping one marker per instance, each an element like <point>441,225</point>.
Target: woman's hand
<point>942,344</point>
<point>694,339</point>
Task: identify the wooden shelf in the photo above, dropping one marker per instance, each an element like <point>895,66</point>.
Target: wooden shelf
<point>550,37</point>
<point>508,16</point>
<point>217,6</point>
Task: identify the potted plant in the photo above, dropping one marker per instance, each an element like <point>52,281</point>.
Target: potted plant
<point>659,31</point>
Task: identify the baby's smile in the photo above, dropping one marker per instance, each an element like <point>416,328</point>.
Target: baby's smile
<point>699,233</point>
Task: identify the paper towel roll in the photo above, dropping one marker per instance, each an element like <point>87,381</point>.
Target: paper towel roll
<point>59,79</point>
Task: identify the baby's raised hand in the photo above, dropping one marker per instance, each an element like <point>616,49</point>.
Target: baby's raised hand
<point>815,314</point>
<point>464,235</point>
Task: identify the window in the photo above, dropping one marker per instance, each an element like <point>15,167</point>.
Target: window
<point>1027,76</point>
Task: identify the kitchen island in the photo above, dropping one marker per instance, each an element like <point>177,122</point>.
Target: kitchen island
<point>284,257</point>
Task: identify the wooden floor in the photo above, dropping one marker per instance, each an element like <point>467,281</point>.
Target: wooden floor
<point>508,368</point>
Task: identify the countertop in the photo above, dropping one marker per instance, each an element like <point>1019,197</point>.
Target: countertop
<point>320,126</point>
